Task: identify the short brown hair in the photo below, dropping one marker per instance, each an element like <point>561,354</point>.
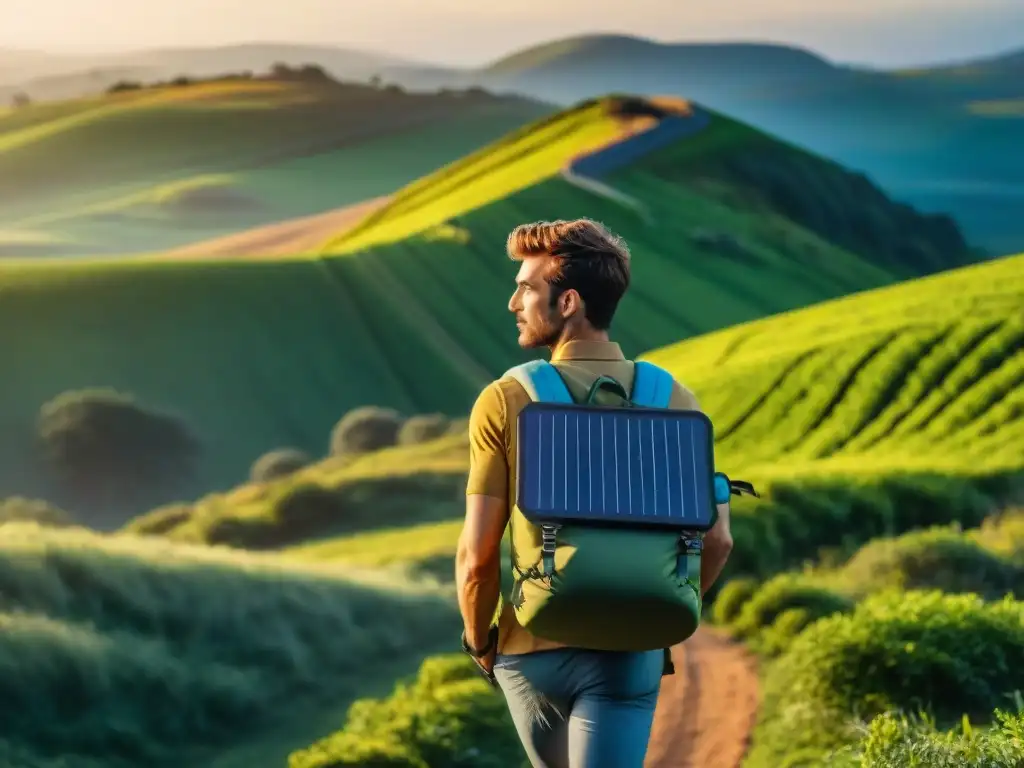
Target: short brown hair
<point>587,258</point>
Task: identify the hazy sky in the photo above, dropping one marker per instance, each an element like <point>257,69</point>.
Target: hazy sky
<point>883,32</point>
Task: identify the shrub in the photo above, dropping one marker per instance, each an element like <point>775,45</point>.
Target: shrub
<point>897,651</point>
<point>423,428</point>
<point>447,717</point>
<point>731,599</point>
<point>279,463</point>
<point>937,558</point>
<point>783,593</point>
<point>776,638</point>
<point>894,740</point>
<point>105,447</point>
<point>796,521</point>
<point>365,429</point>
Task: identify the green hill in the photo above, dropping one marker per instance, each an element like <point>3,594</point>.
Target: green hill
<point>726,225</point>
<point>919,133</point>
<point>156,167</point>
<point>880,412</point>
<point>127,652</point>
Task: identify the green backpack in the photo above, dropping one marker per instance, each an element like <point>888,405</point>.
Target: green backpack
<point>614,493</point>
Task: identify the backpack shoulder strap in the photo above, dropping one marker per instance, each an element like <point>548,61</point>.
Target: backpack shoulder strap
<point>542,382</point>
<point>652,386</point>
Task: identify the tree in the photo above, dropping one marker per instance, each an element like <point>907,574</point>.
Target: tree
<point>20,100</point>
<point>105,448</point>
<point>279,463</point>
<point>365,429</point>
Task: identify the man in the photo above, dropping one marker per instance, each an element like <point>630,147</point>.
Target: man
<point>573,708</point>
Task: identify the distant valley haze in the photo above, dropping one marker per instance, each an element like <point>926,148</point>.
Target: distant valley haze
<point>876,33</point>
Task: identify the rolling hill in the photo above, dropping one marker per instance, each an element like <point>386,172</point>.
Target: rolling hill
<point>157,167</point>
<point>944,138</point>
<point>925,135</point>
<point>895,408</point>
<point>126,652</point>
<point>255,354</point>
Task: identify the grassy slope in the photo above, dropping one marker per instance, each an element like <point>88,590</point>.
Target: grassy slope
<point>917,379</point>
<point>144,170</point>
<point>177,652</point>
<point>335,336</point>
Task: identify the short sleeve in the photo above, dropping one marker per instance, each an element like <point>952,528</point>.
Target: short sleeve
<point>488,460</point>
<point>682,398</point>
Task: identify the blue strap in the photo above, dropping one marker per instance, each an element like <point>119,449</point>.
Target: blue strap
<point>652,386</point>
<point>542,382</point>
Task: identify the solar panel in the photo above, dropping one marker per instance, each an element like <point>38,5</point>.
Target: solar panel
<point>638,466</point>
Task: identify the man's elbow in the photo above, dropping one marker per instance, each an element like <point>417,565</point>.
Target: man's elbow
<point>473,565</point>
<point>718,542</point>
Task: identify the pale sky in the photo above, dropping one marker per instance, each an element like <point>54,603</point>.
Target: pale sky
<point>882,32</point>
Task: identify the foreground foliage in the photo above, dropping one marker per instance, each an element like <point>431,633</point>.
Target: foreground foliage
<point>130,652</point>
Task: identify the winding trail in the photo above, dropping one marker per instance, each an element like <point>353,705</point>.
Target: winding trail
<point>707,709</point>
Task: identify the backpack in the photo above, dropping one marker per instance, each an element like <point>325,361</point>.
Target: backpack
<point>595,574</point>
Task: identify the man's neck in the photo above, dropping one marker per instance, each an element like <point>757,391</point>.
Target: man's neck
<point>588,334</point>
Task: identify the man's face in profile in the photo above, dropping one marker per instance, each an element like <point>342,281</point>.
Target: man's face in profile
<point>538,322</point>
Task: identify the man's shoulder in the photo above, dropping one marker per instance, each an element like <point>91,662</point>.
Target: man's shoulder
<point>499,400</point>
<point>682,397</point>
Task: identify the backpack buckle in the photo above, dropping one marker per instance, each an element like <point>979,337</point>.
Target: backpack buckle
<point>547,547</point>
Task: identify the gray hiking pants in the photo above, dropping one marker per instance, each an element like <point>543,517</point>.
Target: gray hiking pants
<point>582,709</point>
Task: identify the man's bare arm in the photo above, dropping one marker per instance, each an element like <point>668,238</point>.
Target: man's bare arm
<point>717,546</point>
<point>478,564</point>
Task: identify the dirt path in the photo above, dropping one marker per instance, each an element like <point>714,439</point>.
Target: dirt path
<point>707,709</point>
<point>289,237</point>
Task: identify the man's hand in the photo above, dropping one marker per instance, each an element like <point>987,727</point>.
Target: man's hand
<point>485,661</point>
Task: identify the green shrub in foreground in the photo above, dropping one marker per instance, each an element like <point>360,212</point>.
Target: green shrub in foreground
<point>898,741</point>
<point>903,651</point>
<point>123,649</point>
<point>447,718</point>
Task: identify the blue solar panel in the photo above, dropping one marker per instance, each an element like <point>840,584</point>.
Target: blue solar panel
<point>638,466</point>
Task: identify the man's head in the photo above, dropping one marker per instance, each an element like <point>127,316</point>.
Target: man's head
<point>572,277</point>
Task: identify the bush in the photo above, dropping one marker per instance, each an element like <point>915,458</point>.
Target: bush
<point>279,463</point>
<point>19,510</point>
<point>447,717</point>
<point>897,651</point>
<point>894,740</point>
<point>796,521</point>
<point>784,593</point>
<point>731,599</point>
<point>138,653</point>
<point>423,428</point>
<point>943,559</point>
<point>365,429</point>
<point>105,447</point>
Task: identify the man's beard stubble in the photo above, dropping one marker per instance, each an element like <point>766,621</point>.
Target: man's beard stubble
<point>532,336</point>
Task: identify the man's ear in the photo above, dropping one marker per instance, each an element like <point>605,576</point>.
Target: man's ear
<point>569,303</point>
